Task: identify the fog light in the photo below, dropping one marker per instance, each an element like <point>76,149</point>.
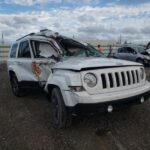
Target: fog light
<point>110,108</point>
<point>142,100</point>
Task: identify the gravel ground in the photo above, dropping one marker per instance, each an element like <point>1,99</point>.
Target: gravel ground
<point>25,125</point>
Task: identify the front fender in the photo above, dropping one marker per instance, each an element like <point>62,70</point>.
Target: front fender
<point>64,78</point>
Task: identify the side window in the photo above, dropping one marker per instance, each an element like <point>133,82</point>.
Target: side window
<point>13,50</point>
<point>24,50</point>
<point>43,49</point>
<point>121,50</point>
<point>131,50</point>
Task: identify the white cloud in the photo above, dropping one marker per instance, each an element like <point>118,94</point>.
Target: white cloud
<point>87,22</point>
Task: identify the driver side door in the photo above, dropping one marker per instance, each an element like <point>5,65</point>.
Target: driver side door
<point>45,56</point>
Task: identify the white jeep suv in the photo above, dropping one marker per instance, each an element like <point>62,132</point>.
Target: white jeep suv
<point>77,77</point>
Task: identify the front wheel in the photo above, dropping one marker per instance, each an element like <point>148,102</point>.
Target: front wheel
<point>60,117</point>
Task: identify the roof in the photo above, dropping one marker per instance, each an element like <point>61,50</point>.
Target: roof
<point>43,35</point>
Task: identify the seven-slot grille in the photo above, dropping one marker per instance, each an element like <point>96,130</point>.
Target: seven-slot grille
<point>120,79</point>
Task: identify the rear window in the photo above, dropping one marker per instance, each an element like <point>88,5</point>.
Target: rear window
<point>13,50</point>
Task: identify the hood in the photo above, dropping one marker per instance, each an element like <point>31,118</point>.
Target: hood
<point>89,63</point>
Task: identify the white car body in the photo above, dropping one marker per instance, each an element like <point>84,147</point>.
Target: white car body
<point>70,72</point>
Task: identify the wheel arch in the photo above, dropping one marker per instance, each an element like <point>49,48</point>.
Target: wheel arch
<point>13,72</point>
<point>68,101</point>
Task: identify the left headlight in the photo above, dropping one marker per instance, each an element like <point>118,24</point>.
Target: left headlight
<point>90,79</point>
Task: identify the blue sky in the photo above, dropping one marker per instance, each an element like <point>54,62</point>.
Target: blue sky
<point>86,19</point>
<point>14,6</point>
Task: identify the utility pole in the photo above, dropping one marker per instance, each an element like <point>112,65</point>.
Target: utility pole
<point>2,39</point>
<point>120,39</point>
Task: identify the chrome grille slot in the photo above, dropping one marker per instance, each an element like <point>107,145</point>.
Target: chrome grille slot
<point>133,78</point>
<point>103,81</point>
<point>117,79</point>
<point>123,78</point>
<point>128,77</point>
<point>111,80</point>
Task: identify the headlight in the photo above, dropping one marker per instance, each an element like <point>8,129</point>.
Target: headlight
<point>90,79</point>
<point>142,73</point>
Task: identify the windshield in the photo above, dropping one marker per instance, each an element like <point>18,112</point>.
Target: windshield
<point>76,49</point>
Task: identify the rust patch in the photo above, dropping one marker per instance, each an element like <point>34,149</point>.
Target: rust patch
<point>36,69</point>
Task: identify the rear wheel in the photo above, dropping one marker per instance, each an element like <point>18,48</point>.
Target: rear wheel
<point>60,117</point>
<point>15,86</point>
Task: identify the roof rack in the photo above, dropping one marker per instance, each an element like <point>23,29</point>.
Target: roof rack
<point>45,32</point>
<point>25,36</point>
<point>48,33</point>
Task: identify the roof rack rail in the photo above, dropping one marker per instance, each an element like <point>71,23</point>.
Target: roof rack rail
<point>25,36</point>
<point>48,33</point>
<point>45,33</point>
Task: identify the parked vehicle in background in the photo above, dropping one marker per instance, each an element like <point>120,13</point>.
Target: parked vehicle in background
<point>76,76</point>
<point>133,53</point>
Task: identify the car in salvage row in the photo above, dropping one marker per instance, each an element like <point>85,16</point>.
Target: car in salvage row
<point>133,53</point>
<point>78,78</point>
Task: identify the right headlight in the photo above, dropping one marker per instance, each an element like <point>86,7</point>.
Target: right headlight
<point>90,79</point>
<point>142,73</point>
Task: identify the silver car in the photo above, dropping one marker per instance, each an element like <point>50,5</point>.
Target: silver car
<point>133,53</point>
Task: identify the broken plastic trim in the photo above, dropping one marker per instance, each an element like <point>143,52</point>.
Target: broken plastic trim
<point>76,88</point>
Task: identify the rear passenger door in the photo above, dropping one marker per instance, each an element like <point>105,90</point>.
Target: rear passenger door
<point>122,53</point>
<point>24,63</point>
<point>132,54</point>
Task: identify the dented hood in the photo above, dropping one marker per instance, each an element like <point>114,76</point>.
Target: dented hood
<point>91,63</point>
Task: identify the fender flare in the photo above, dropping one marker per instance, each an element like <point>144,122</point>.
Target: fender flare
<point>58,83</point>
<point>10,69</point>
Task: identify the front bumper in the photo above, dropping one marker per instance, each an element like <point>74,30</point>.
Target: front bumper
<point>83,102</point>
<point>103,107</point>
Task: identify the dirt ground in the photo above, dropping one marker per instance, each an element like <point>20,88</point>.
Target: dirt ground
<point>25,125</point>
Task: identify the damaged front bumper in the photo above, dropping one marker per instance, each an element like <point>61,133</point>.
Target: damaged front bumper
<point>82,102</point>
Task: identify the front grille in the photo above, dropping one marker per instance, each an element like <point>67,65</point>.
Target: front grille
<point>120,79</point>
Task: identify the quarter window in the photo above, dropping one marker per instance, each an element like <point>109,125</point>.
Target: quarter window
<point>24,50</point>
<point>13,50</point>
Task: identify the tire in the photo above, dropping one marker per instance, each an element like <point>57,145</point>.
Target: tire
<point>60,117</point>
<point>15,86</point>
